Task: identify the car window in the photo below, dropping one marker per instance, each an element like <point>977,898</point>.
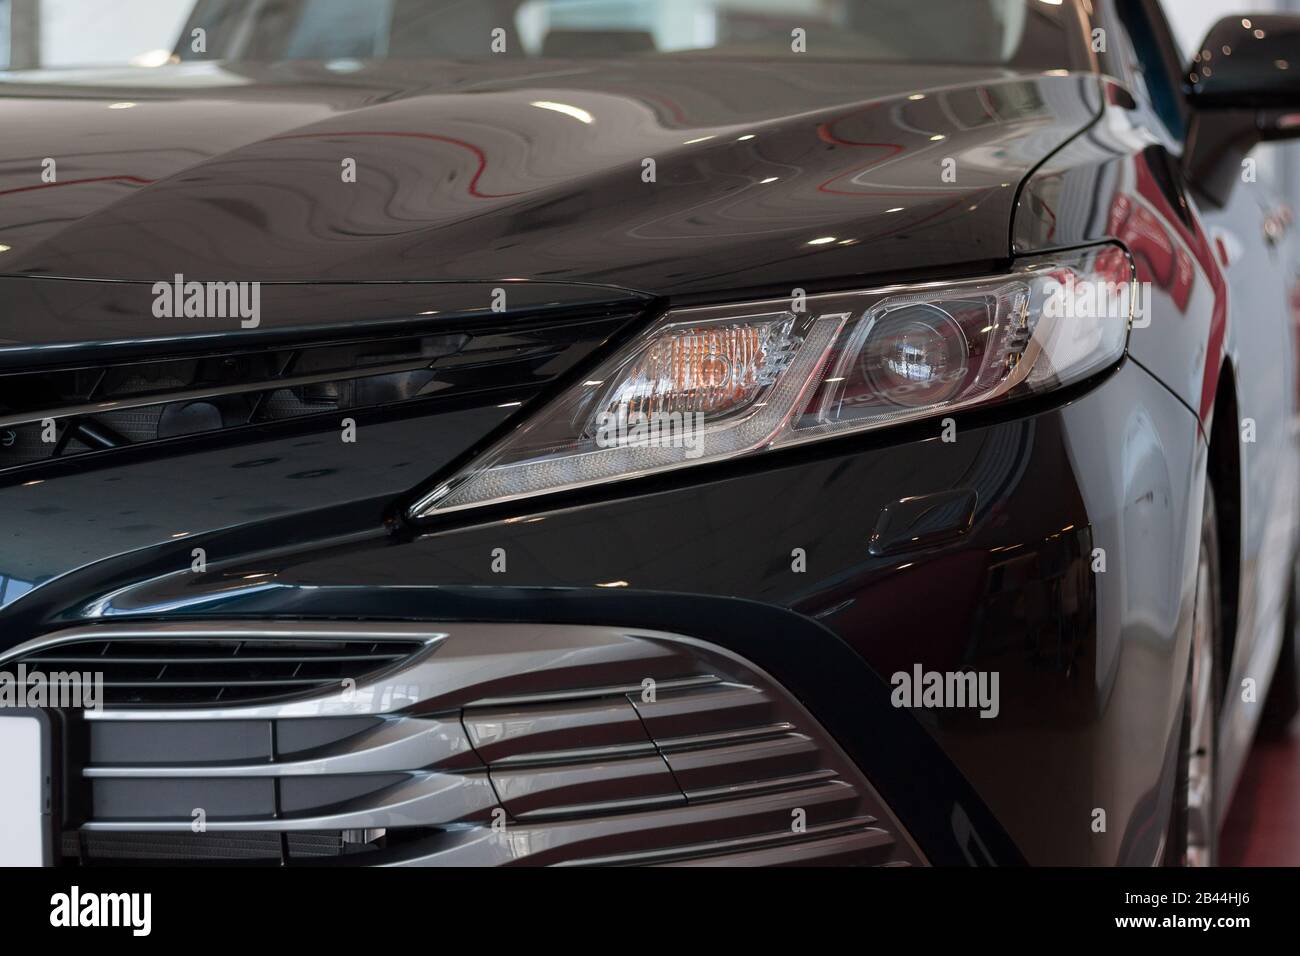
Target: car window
<point>1022,33</point>
<point>1150,57</point>
<point>339,28</point>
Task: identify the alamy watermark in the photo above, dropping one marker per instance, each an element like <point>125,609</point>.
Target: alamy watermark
<point>1097,299</point>
<point>179,299</point>
<point>133,911</point>
<point>623,429</point>
<point>68,690</point>
<point>946,690</point>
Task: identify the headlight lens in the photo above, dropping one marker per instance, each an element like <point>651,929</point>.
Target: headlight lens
<point>709,384</point>
<point>914,355</point>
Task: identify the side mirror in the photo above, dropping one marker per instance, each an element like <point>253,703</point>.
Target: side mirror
<point>1244,89</point>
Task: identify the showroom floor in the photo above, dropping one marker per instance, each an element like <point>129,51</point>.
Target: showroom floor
<point>1261,829</point>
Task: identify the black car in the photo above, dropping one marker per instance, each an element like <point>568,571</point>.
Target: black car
<point>711,431</point>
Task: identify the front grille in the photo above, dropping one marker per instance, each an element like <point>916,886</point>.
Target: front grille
<point>202,665</point>
<point>66,412</point>
<point>512,744</point>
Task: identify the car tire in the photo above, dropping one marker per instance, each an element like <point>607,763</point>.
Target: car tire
<point>1193,836</point>
<point>1283,701</point>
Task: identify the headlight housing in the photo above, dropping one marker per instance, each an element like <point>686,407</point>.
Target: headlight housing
<point>710,384</point>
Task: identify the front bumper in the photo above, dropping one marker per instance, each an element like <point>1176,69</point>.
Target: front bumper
<point>998,573</point>
<point>486,745</point>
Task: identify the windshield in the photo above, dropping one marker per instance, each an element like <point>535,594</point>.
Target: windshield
<point>1037,34</point>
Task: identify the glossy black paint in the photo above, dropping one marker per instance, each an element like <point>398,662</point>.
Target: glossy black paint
<point>1244,90</point>
<point>62,322</point>
<point>1223,338</point>
<point>1251,57</point>
<point>462,177</point>
<point>240,181</point>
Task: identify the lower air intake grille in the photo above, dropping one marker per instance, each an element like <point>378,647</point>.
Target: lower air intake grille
<point>512,744</point>
<point>198,664</point>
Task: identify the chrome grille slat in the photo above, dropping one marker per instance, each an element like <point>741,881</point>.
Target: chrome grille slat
<point>851,845</point>
<point>703,680</point>
<point>764,785</point>
<point>722,738</point>
<point>178,664</point>
<point>422,800</point>
<point>397,745</point>
<point>704,853</point>
<point>230,659</point>
<point>592,755</point>
<point>270,682</point>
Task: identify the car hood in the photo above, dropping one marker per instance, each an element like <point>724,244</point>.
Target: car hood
<point>661,176</point>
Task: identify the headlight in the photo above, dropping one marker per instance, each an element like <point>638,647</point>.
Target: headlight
<point>709,384</point>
